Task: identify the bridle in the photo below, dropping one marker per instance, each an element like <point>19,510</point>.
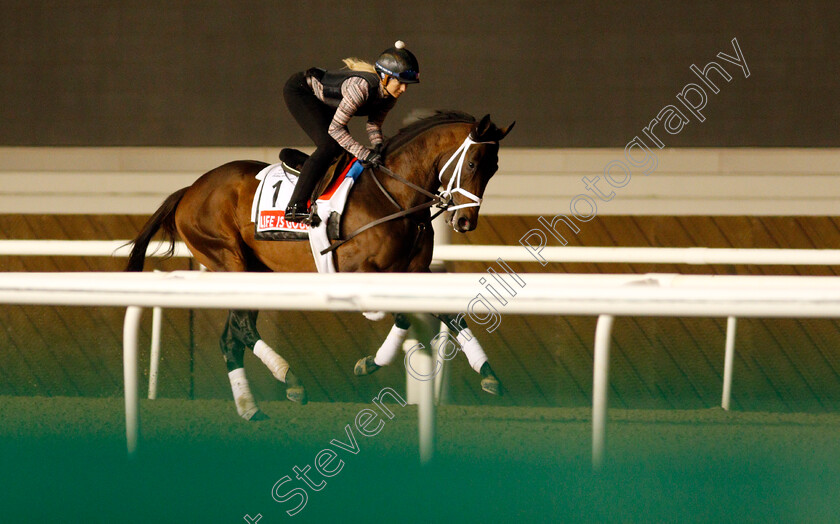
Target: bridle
<point>455,179</point>
<point>443,199</point>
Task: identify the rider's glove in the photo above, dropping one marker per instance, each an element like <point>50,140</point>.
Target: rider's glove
<point>373,159</point>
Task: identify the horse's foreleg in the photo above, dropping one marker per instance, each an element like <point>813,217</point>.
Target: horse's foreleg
<point>394,341</point>
<point>474,352</point>
<point>234,351</point>
<point>245,325</point>
<point>388,350</point>
<point>280,369</point>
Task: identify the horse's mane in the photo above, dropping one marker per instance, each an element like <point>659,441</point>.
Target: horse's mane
<point>411,131</point>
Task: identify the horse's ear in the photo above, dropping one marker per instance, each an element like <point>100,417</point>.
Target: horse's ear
<point>503,132</point>
<point>481,128</point>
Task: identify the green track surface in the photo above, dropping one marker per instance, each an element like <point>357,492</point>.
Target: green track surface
<point>63,460</point>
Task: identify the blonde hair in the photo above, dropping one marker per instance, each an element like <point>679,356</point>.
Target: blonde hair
<point>357,64</point>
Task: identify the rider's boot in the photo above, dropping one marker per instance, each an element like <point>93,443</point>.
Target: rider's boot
<point>298,208</point>
<point>297,212</point>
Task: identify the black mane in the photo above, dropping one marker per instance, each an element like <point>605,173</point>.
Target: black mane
<point>411,131</point>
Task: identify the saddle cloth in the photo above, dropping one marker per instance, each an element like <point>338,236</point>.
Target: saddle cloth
<point>269,209</point>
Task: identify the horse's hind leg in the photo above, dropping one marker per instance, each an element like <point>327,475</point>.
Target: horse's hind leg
<point>474,353</point>
<point>234,351</point>
<point>244,326</point>
<point>388,350</point>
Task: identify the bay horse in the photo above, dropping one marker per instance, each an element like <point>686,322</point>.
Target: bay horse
<point>213,218</point>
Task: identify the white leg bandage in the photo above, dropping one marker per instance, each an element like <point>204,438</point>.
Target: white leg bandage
<point>245,405</point>
<point>375,316</point>
<point>274,362</point>
<point>392,345</point>
<point>472,349</point>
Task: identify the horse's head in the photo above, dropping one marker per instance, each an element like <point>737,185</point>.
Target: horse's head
<point>466,173</point>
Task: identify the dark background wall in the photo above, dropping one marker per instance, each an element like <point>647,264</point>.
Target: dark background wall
<point>589,74</point>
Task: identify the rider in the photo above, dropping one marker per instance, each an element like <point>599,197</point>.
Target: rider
<point>323,102</point>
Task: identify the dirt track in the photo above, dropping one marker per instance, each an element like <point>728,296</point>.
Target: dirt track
<point>63,458</point>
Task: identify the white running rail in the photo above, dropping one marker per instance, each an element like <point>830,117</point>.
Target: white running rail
<point>455,253</point>
<point>467,252</point>
<point>605,296</point>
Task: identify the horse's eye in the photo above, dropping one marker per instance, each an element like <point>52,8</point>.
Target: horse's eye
<point>472,166</point>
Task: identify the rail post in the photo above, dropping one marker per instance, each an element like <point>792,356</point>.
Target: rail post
<point>600,388</point>
<point>130,378</point>
<point>729,359</point>
<point>154,358</point>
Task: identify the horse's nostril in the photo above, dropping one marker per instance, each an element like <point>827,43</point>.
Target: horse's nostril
<point>464,224</point>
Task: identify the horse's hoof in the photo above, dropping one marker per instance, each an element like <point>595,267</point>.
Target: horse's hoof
<point>491,385</point>
<point>294,389</point>
<point>297,394</point>
<point>365,366</point>
<point>255,416</point>
<point>259,415</point>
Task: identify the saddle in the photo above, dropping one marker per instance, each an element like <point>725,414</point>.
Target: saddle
<point>268,224</point>
<point>293,160</point>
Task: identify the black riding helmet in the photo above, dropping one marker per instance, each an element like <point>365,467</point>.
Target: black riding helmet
<point>400,63</point>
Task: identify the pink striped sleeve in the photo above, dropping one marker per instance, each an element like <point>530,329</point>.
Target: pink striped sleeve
<point>354,92</point>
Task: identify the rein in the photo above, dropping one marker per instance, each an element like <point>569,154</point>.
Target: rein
<point>443,199</point>
<point>435,197</point>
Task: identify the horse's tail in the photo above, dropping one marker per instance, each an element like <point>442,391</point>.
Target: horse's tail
<point>164,218</point>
